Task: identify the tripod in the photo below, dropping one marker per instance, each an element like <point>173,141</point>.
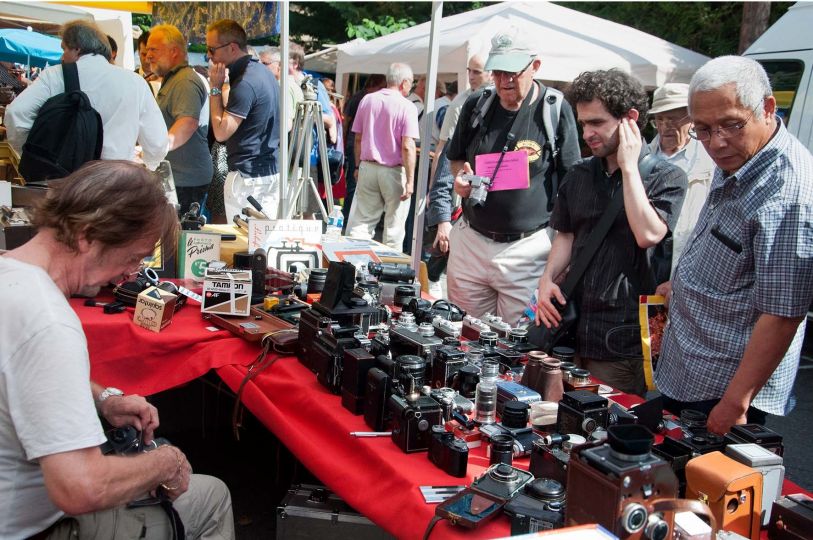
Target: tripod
<point>308,116</point>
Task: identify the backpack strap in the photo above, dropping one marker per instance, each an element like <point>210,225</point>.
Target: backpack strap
<point>71,75</point>
<point>551,108</point>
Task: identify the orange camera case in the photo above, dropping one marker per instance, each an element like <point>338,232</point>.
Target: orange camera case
<point>731,490</point>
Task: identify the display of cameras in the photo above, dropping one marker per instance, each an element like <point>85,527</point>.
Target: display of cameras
<point>412,420</point>
<point>503,481</point>
<point>615,484</point>
<point>581,412</point>
<point>539,507</point>
<point>447,452</point>
<point>523,438</point>
<point>328,354</point>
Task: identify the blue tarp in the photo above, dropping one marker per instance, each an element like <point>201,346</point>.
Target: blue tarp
<point>26,47</point>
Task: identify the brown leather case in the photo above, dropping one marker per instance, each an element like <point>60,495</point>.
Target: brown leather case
<point>258,325</point>
<point>732,490</point>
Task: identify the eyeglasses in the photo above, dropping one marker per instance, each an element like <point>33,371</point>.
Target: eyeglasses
<point>475,71</point>
<point>271,63</point>
<point>511,74</point>
<point>724,132</point>
<point>211,50</point>
<point>667,122</point>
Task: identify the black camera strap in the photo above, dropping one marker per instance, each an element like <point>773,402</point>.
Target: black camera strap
<point>599,232</point>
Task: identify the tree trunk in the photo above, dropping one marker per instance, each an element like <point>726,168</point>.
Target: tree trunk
<point>755,17</point>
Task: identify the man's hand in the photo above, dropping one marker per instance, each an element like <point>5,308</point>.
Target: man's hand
<point>665,290</point>
<point>629,145</point>
<point>461,187</point>
<point>132,410</point>
<point>217,75</point>
<point>407,187</point>
<point>332,134</point>
<point>546,312</point>
<point>442,237</point>
<point>177,481</point>
<point>725,414</point>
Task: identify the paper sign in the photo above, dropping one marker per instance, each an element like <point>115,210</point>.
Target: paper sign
<point>289,243</point>
<point>513,171</point>
<point>195,251</point>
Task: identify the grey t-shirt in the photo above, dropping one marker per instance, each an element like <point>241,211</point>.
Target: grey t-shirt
<point>183,94</point>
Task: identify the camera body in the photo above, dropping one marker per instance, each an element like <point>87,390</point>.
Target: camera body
<point>472,326</point>
<point>446,363</point>
<point>412,420</point>
<point>357,362</point>
<point>510,390</point>
<point>479,188</point>
<point>540,507</point>
<point>444,328</point>
<point>616,484</point>
<point>757,434</point>
<point>376,396</point>
<point>496,324</point>
<point>523,437</point>
<point>406,340</point>
<point>448,452</point>
<point>327,353</point>
<point>581,412</point>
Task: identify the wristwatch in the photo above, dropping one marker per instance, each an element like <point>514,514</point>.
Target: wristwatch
<point>215,91</point>
<point>109,392</point>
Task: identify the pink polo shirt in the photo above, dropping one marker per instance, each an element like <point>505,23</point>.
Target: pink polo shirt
<point>382,118</point>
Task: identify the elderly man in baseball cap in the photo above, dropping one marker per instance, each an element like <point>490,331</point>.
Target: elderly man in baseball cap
<point>670,116</point>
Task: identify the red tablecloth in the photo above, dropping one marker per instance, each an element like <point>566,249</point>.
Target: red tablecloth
<point>143,362</point>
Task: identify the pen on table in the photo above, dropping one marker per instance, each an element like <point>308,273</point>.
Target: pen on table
<point>371,433</point>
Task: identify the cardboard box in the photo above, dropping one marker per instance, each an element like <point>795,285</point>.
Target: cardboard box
<point>154,309</point>
<point>227,292</point>
<point>195,251</point>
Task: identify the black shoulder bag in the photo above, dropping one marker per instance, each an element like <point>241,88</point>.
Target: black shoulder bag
<point>547,338</point>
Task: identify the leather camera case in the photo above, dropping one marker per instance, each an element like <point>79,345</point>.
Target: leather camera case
<point>791,518</point>
<point>731,490</point>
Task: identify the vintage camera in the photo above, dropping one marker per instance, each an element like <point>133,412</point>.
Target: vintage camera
<point>514,424</point>
<point>376,396</point>
<point>409,339</point>
<point>472,326</point>
<point>579,379</point>
<point>517,340</point>
<point>446,363</point>
<point>704,442</point>
<point>328,353</point>
<point>550,455</point>
<point>390,276</point>
<point>479,188</point>
<point>581,412</point>
<point>357,362</point>
<point>444,328</point>
<point>448,452</point>
<point>487,344</point>
<point>757,434</point>
<point>340,302</point>
<point>127,440</point>
<point>616,484</point>
<point>496,324</point>
<point>413,414</point>
<point>465,381</point>
<point>540,507</point>
<point>677,453</point>
<point>426,311</point>
<point>510,390</point>
<point>450,402</point>
<point>485,498</point>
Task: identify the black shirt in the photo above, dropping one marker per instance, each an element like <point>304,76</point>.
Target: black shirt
<point>620,271</point>
<point>521,210</point>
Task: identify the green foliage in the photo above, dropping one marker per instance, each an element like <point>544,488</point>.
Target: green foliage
<point>142,20</point>
<point>369,29</point>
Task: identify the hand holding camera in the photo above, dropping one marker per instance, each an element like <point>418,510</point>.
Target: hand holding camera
<point>131,410</point>
<point>461,186</point>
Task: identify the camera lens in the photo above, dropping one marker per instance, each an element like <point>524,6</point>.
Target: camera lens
<point>518,335</point>
<point>465,381</point>
<point>692,419</point>
<point>656,528</point>
<point>403,294</point>
<point>634,518</point>
<point>501,450</point>
<point>515,414</point>
<point>565,354</point>
<point>316,280</point>
<point>488,339</point>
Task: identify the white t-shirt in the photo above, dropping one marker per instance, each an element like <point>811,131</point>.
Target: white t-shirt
<point>453,114</point>
<point>46,403</point>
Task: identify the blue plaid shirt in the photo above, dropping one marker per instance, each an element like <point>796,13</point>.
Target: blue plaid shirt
<point>751,253</point>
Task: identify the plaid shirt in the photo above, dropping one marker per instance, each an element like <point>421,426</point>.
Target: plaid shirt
<point>751,253</point>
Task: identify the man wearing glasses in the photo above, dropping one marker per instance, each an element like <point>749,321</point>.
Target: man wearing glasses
<point>670,116</point>
<point>743,286</point>
<point>249,124</point>
<point>498,250</point>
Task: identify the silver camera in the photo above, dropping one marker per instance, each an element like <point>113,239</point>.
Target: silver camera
<point>479,188</point>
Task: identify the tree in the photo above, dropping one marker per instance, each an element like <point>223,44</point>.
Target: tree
<point>755,19</point>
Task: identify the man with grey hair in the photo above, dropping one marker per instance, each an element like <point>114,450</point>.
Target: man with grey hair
<point>386,126</point>
<point>742,287</point>
<point>122,98</point>
<point>184,103</point>
<point>498,250</point>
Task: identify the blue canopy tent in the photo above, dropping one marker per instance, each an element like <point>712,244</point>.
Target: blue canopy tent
<point>30,48</point>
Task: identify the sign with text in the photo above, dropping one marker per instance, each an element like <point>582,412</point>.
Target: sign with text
<point>195,251</point>
<point>290,244</point>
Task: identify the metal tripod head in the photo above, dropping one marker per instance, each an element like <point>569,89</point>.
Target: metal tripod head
<point>307,119</point>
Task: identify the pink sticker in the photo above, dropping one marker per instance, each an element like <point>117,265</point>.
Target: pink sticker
<point>513,171</point>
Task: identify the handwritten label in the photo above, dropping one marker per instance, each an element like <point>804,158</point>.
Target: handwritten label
<point>512,174</point>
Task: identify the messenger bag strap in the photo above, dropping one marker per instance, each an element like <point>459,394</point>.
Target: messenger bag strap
<point>599,232</point>
<point>71,75</point>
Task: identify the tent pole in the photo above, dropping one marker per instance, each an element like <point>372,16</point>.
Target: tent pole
<point>282,152</point>
<point>426,137</point>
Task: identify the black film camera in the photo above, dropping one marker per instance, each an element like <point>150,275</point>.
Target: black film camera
<point>581,412</point>
<point>540,507</point>
<point>413,414</point>
<point>127,440</point>
<point>448,452</point>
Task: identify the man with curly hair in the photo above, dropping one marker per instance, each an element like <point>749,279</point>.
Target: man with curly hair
<point>611,108</point>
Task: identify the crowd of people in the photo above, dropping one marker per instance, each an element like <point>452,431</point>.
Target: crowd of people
<point>715,214</point>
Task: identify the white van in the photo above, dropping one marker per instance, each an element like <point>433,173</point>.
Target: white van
<point>786,52</point>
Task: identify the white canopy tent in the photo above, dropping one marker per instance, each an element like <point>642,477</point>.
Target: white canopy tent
<point>568,42</point>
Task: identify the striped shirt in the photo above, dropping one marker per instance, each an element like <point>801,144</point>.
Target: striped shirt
<point>751,253</point>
